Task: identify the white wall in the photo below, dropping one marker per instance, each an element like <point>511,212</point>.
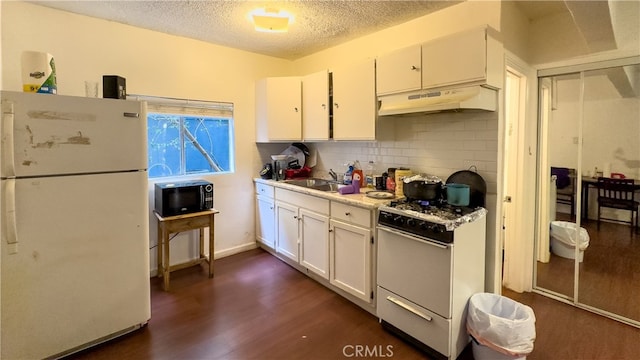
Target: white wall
<point>159,65</point>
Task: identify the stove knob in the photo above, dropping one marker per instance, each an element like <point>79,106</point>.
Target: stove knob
<point>436,229</point>
<point>423,225</point>
<point>398,220</point>
<point>387,217</point>
<point>411,222</point>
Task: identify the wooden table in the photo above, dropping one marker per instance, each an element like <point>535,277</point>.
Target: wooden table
<point>174,224</point>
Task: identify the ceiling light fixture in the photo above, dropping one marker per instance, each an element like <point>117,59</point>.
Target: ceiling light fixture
<point>271,20</point>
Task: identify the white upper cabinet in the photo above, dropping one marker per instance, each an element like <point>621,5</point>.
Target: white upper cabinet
<point>399,71</point>
<point>354,102</point>
<point>279,109</point>
<point>315,106</point>
<point>471,58</point>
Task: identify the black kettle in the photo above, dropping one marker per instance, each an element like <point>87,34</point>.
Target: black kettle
<point>267,171</point>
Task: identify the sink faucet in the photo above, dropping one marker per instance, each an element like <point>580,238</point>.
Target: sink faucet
<point>333,174</point>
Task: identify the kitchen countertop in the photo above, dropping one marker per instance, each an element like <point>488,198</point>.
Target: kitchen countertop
<point>360,199</point>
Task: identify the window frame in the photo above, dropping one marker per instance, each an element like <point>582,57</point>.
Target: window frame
<point>185,109</point>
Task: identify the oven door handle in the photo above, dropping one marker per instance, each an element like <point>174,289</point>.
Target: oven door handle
<point>413,237</point>
<point>409,308</point>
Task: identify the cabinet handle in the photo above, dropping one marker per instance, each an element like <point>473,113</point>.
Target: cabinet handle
<point>324,106</point>
<point>336,105</point>
<point>296,109</point>
<point>270,207</point>
<point>347,214</point>
<point>295,217</point>
<point>415,68</point>
<point>330,230</point>
<point>409,308</point>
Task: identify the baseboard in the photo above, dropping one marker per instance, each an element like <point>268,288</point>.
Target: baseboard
<point>220,254</point>
<point>234,250</point>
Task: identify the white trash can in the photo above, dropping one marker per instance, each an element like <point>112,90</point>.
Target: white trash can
<point>501,328</point>
<point>563,239</point>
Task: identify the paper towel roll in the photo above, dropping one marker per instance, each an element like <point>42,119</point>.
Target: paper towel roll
<point>38,73</point>
<point>606,170</point>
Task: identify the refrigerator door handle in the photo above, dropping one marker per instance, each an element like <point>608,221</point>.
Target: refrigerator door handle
<point>10,225</point>
<point>8,157</point>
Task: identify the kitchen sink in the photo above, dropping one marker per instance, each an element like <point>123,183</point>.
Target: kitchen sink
<point>316,184</point>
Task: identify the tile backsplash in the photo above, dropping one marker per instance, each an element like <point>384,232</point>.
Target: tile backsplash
<point>436,144</point>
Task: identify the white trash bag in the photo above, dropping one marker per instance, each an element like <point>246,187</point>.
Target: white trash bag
<point>566,232</point>
<point>501,324</point>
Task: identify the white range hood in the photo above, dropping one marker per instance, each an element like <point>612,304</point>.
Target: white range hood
<point>425,101</point>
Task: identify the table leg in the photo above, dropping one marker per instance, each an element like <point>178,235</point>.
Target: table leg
<point>211,241</point>
<point>165,262</point>
<point>585,202</point>
<point>202,255</point>
<point>159,270</point>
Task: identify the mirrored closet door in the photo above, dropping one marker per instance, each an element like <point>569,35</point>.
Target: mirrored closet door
<point>588,243</point>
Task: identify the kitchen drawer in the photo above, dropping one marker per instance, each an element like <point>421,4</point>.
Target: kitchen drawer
<point>424,325</point>
<point>351,214</point>
<point>316,204</point>
<point>264,189</point>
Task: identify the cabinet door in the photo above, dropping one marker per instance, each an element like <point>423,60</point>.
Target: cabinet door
<point>278,109</point>
<point>287,230</point>
<point>456,59</point>
<point>315,106</point>
<point>399,71</point>
<point>350,259</point>
<point>354,102</point>
<point>265,221</point>
<point>314,242</point>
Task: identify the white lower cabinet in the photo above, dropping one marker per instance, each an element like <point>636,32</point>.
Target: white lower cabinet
<point>265,215</point>
<point>287,230</point>
<point>314,242</point>
<point>302,230</point>
<point>327,238</point>
<point>350,259</point>
<point>266,221</point>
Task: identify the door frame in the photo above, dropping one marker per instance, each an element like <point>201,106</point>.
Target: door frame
<point>519,179</point>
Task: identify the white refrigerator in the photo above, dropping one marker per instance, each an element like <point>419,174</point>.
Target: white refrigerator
<point>74,223</point>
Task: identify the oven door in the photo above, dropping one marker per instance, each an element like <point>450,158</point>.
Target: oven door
<point>416,269</point>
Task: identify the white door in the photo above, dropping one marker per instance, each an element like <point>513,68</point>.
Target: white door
<point>399,71</point>
<point>278,109</point>
<point>315,106</point>
<point>50,135</point>
<point>350,259</point>
<point>287,230</point>
<point>354,102</point>
<point>464,56</point>
<point>75,262</point>
<point>314,245</point>
<point>518,177</point>
<point>265,220</point>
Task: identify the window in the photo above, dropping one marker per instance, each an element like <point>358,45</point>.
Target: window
<point>188,137</point>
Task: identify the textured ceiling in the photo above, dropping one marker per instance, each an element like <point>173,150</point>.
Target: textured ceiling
<point>317,25</point>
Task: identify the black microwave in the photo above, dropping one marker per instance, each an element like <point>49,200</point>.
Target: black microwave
<point>183,197</point>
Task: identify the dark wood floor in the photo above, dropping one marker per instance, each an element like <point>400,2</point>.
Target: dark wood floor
<point>609,276</point>
<point>256,307</point>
